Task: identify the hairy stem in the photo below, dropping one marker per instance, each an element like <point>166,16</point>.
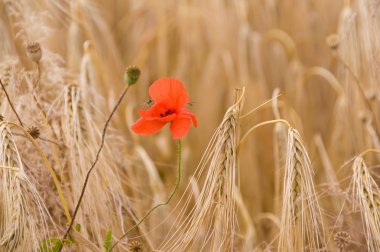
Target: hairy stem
<point>161,204</point>
<point>95,161</point>
<point>38,104</point>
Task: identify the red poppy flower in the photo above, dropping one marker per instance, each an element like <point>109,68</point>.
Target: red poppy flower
<point>170,98</point>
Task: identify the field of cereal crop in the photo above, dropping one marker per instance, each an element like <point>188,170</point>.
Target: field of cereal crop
<point>189,125</point>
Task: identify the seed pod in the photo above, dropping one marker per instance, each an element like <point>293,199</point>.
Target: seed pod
<point>34,132</point>
<point>134,246</point>
<point>34,51</point>
<point>342,239</point>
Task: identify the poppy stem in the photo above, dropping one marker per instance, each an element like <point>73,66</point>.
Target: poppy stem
<point>95,161</point>
<point>161,204</point>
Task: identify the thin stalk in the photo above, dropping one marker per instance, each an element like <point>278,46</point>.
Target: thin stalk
<point>40,138</point>
<point>43,114</point>
<point>35,98</point>
<point>261,105</point>
<point>95,161</point>
<point>161,204</point>
<point>244,138</point>
<point>47,123</point>
<point>361,91</point>
<point>10,103</point>
<point>369,151</point>
<point>50,168</point>
<point>38,75</point>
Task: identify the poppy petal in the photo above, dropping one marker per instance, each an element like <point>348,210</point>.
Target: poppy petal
<point>157,115</point>
<point>180,126</point>
<point>166,119</point>
<point>194,119</point>
<point>154,111</point>
<point>169,92</point>
<point>147,127</point>
<point>186,113</point>
<point>144,113</point>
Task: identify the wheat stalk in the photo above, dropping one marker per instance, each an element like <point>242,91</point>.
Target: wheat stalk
<point>367,195</point>
<point>13,215</point>
<point>301,220</point>
<point>18,227</point>
<point>279,146</point>
<point>215,204</point>
<point>232,43</point>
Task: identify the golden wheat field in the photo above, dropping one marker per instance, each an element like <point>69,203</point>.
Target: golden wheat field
<point>189,125</point>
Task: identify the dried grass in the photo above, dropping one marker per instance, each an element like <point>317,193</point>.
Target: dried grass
<point>215,204</point>
<point>366,194</point>
<point>301,221</point>
<point>19,221</point>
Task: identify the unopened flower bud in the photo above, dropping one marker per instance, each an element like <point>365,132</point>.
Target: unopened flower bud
<point>131,75</point>
<point>34,51</point>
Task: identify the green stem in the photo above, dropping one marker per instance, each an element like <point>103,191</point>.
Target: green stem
<point>161,204</point>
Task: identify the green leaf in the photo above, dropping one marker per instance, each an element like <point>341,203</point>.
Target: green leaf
<point>68,241</point>
<point>77,227</point>
<point>51,245</point>
<point>54,244</point>
<point>108,241</point>
<point>57,247</point>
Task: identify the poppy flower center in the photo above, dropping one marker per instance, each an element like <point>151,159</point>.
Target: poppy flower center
<point>167,112</point>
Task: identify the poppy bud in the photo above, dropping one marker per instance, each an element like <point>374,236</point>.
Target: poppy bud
<point>131,75</point>
<point>34,51</point>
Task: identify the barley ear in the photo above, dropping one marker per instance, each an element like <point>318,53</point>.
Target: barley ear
<point>301,220</point>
